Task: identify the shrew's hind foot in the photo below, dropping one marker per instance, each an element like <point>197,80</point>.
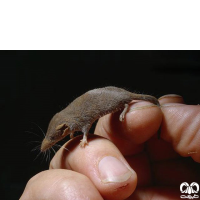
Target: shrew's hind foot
<point>84,142</point>
<point>122,115</point>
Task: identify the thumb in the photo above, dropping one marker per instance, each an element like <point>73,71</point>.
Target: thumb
<point>181,127</point>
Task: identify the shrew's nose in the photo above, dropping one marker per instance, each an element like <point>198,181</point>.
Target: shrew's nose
<point>46,144</point>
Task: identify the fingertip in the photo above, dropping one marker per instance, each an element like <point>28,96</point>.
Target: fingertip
<point>141,122</point>
<point>103,163</point>
<point>60,184</point>
<point>180,127</point>
<point>171,98</point>
<point>118,179</point>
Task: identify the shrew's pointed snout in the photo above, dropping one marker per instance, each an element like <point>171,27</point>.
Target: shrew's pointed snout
<point>46,144</point>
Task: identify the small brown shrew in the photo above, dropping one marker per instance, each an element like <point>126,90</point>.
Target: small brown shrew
<point>84,110</point>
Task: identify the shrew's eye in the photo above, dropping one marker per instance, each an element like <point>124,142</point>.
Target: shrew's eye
<point>52,138</point>
<point>56,135</point>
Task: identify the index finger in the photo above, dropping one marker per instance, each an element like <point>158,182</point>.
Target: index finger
<point>142,121</point>
<point>101,162</point>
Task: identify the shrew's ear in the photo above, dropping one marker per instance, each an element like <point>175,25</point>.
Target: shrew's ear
<point>61,127</point>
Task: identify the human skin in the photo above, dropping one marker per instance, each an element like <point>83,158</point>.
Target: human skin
<point>133,163</point>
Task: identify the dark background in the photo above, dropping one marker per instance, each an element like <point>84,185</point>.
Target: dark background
<point>34,85</point>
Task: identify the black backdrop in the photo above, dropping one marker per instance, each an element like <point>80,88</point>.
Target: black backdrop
<point>37,84</point>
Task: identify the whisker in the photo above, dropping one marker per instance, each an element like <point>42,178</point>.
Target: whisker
<point>44,154</point>
<point>32,133</point>
<point>57,145</point>
<point>53,150</point>
<point>61,147</point>
<point>39,128</point>
<point>47,156</point>
<point>36,148</point>
<point>34,142</point>
<point>37,156</point>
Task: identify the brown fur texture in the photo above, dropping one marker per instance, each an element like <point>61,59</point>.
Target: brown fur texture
<point>84,110</point>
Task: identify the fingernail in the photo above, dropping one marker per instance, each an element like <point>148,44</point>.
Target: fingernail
<point>171,96</point>
<point>141,105</point>
<point>113,170</point>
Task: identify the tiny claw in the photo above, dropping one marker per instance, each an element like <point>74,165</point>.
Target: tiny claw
<point>83,142</point>
<point>121,118</point>
<point>122,115</point>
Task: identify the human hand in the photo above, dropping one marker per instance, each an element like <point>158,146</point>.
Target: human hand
<point>102,170</point>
